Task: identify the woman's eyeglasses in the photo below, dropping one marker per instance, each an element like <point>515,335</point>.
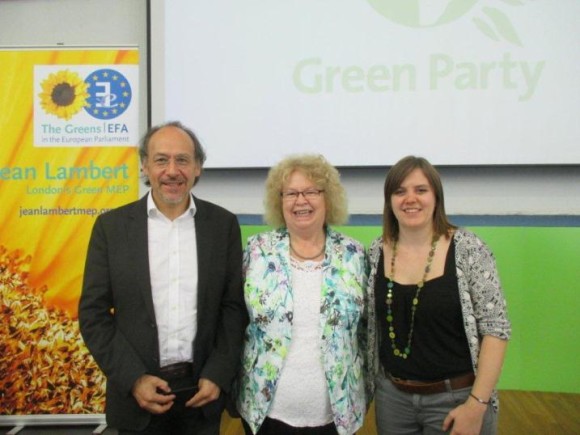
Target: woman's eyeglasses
<point>292,195</point>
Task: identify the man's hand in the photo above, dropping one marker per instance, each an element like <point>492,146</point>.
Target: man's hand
<point>145,392</point>
<point>208,392</point>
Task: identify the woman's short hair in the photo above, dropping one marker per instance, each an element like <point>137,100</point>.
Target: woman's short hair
<point>317,169</point>
<point>394,179</point>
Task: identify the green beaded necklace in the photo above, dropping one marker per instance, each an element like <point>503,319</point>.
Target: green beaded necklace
<point>391,278</point>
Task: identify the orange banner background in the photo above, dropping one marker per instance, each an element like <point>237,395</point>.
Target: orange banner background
<point>44,367</point>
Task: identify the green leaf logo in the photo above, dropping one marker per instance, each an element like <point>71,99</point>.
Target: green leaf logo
<point>491,21</point>
<point>422,13</point>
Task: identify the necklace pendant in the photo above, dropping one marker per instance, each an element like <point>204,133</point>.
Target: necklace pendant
<point>389,300</point>
<point>304,258</point>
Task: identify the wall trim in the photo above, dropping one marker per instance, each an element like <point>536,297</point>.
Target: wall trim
<point>460,220</point>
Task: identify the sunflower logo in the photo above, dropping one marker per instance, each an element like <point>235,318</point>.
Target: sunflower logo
<point>64,94</point>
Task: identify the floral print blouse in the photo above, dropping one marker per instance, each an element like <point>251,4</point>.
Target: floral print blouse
<point>268,295</point>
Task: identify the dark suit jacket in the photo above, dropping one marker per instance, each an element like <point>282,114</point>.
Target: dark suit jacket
<point>116,314</point>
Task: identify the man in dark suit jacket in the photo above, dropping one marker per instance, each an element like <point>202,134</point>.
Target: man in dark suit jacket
<point>123,312</point>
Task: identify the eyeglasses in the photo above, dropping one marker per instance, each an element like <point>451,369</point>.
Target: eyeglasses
<point>181,161</point>
<point>292,195</point>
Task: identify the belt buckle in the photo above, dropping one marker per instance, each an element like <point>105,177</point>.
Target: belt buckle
<point>176,370</point>
<point>395,379</point>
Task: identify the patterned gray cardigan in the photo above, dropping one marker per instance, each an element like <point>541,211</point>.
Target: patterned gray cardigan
<point>482,302</point>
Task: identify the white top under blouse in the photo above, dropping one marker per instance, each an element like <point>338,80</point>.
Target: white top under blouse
<point>301,398</point>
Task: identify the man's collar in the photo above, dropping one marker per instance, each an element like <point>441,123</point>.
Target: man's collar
<point>152,209</point>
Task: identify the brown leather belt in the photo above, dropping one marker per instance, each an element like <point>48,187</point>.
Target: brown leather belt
<point>176,371</point>
<point>418,387</point>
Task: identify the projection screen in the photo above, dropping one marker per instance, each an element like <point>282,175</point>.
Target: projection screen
<point>461,82</point>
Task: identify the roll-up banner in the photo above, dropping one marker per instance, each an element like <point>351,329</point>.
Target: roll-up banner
<point>69,130</point>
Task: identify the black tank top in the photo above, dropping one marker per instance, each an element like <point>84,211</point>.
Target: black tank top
<point>439,348</point>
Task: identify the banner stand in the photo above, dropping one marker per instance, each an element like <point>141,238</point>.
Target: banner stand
<point>16,429</point>
<point>69,153</point>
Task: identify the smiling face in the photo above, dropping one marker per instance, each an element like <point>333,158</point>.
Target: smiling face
<point>302,215</point>
<point>171,168</point>
<point>413,202</point>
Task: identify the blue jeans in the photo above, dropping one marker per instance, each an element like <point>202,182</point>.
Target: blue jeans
<point>401,413</point>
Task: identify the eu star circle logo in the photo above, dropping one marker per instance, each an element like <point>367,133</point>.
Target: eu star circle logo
<point>109,94</point>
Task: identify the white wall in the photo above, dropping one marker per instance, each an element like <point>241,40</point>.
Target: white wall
<point>497,190</point>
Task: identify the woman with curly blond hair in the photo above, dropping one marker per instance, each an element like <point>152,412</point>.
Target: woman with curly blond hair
<point>302,370</point>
